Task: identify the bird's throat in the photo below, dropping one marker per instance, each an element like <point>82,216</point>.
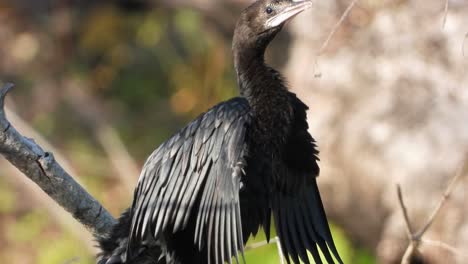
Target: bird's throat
<point>268,97</point>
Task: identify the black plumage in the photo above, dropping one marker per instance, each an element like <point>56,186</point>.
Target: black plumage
<point>203,192</point>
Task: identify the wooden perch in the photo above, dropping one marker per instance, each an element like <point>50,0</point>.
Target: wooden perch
<point>41,167</point>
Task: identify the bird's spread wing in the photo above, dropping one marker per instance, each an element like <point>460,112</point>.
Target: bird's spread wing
<point>300,219</point>
<point>302,225</point>
<point>196,174</point>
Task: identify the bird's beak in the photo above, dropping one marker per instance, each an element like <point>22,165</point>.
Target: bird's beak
<point>296,7</point>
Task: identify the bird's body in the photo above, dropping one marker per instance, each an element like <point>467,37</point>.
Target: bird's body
<point>203,192</point>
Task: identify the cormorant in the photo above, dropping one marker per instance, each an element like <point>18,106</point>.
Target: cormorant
<point>213,184</point>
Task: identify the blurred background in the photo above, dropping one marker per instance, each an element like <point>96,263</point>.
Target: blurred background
<point>103,83</point>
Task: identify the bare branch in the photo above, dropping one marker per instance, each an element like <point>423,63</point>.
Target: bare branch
<point>444,246</point>
<point>416,238</point>
<point>60,216</point>
<point>414,243</point>
<point>463,44</point>
<point>40,166</point>
<point>4,124</point>
<point>335,28</point>
<point>442,201</point>
<point>317,73</point>
<point>24,127</point>
<point>264,243</point>
<point>38,197</point>
<point>261,244</point>
<point>444,21</point>
<point>412,248</point>
<point>409,230</point>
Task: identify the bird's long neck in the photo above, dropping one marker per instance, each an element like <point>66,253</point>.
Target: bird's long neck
<point>266,93</point>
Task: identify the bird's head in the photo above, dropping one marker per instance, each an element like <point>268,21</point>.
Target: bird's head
<point>261,21</point>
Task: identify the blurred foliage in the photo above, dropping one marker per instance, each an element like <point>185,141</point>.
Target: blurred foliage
<point>64,250</point>
<point>7,198</point>
<point>150,71</point>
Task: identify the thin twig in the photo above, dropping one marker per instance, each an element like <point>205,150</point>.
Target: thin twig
<point>445,196</point>
<point>56,214</point>
<point>335,28</point>
<point>409,229</point>
<point>445,13</point>
<point>413,246</point>
<point>416,239</point>
<point>463,44</point>
<point>264,243</point>
<point>260,244</point>
<point>318,74</point>
<point>445,246</point>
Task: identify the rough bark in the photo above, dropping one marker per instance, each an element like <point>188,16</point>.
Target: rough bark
<point>41,167</point>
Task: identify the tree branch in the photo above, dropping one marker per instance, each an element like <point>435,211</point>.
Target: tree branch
<point>414,243</point>
<point>409,229</point>
<point>444,246</point>
<point>335,28</point>
<point>442,201</point>
<point>416,239</point>
<point>41,200</point>
<point>41,167</point>
<point>446,7</point>
<point>264,243</point>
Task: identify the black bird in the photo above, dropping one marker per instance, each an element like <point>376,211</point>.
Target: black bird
<point>213,184</point>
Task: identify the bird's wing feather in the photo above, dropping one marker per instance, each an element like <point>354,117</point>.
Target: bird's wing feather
<point>298,212</point>
<point>302,225</point>
<point>199,167</point>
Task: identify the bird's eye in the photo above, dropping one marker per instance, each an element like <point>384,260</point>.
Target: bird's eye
<point>269,10</point>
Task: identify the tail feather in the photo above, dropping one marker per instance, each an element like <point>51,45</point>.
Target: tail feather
<point>114,247</point>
